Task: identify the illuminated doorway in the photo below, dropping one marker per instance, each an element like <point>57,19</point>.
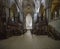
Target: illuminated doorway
<point>28,21</point>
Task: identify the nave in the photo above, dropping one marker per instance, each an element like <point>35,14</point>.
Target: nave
<point>29,24</point>
<point>29,41</point>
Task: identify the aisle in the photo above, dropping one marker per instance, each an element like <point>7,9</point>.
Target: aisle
<point>55,24</point>
<point>27,41</point>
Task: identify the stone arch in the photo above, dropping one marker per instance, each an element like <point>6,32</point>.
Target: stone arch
<point>28,21</point>
<point>28,7</point>
<point>13,12</point>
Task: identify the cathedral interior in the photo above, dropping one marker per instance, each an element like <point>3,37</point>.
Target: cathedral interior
<point>29,24</point>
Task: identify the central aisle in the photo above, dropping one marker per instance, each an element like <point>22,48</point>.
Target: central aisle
<point>27,41</point>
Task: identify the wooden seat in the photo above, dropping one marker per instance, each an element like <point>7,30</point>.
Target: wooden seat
<point>40,28</point>
<point>15,28</point>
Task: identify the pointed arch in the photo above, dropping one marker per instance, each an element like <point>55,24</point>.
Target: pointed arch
<point>28,21</point>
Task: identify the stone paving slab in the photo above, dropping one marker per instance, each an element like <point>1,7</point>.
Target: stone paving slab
<point>56,25</point>
<point>27,41</point>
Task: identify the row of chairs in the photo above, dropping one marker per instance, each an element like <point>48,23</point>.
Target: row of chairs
<point>12,29</point>
<point>53,33</point>
<point>46,30</point>
<point>40,28</point>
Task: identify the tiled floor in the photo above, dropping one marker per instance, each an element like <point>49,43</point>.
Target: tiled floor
<point>28,41</point>
<point>55,24</point>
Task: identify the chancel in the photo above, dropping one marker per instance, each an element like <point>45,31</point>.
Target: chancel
<point>29,24</point>
<point>28,21</point>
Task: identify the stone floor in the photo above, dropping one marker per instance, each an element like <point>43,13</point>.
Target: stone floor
<point>28,41</point>
<point>55,24</point>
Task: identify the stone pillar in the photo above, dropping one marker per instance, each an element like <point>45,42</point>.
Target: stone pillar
<point>49,17</point>
<point>59,13</point>
<point>48,10</point>
<point>7,14</point>
<point>37,8</point>
<point>21,16</point>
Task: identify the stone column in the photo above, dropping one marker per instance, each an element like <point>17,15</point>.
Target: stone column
<point>48,14</point>
<point>7,14</point>
<point>48,10</point>
<point>37,8</point>
<point>59,13</point>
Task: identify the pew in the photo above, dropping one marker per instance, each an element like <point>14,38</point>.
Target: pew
<point>40,28</point>
<point>15,28</point>
<point>53,33</point>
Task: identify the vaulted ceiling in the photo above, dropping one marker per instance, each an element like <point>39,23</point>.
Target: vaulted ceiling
<point>29,5</point>
<point>55,5</point>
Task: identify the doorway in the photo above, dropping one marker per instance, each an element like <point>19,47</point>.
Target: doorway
<point>28,21</point>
